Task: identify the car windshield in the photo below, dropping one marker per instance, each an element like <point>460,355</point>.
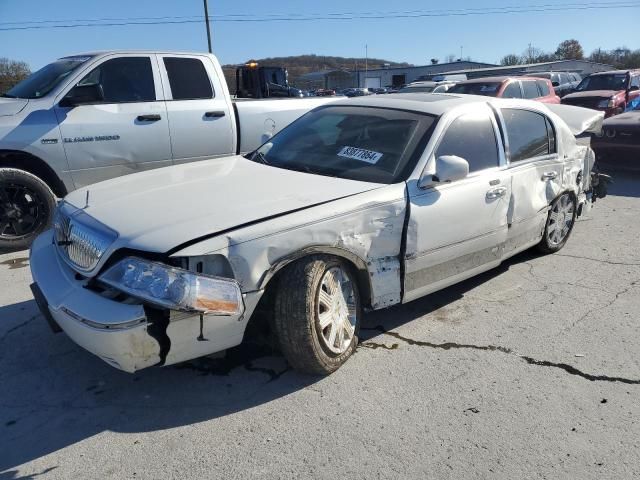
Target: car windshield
<point>40,83</point>
<point>617,81</point>
<point>416,89</point>
<point>377,145</point>
<point>488,89</point>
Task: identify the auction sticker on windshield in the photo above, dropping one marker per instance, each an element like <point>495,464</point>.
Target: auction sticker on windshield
<point>360,154</point>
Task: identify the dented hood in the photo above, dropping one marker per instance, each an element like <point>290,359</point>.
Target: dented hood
<point>589,94</point>
<point>161,209</point>
<point>12,106</point>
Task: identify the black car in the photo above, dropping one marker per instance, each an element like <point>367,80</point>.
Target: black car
<point>563,82</point>
<point>619,144</point>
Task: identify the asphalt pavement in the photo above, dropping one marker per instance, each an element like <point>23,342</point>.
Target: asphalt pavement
<point>529,371</point>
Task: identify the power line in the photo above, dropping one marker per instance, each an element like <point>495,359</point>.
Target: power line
<point>344,16</point>
<point>376,14</point>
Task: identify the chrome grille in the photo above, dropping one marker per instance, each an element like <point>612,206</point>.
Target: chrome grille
<point>81,239</point>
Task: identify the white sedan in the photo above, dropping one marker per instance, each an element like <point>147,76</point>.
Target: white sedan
<point>358,205</point>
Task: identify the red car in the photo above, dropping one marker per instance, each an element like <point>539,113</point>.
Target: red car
<point>610,92</point>
<point>532,88</point>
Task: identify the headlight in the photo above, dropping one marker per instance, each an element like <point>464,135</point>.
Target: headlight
<point>606,103</point>
<point>175,288</point>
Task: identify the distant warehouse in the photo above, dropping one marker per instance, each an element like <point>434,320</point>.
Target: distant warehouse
<point>400,76</point>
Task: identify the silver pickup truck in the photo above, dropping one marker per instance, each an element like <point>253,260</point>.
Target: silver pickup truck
<point>87,118</point>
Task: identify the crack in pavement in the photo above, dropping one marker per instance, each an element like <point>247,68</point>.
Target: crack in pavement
<point>608,262</point>
<point>591,311</point>
<point>17,327</point>
<point>570,369</point>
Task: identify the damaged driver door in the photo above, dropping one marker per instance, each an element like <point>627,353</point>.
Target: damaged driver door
<point>458,220</point>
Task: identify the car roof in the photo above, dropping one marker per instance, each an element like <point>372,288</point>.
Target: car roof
<point>432,103</point>
<point>497,79</point>
<point>619,72</point>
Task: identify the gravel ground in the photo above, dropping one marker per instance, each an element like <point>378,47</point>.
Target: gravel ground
<point>528,371</point>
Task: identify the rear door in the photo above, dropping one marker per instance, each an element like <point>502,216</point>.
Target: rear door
<point>200,118</point>
<point>127,131</point>
<point>457,229</point>
<point>536,173</point>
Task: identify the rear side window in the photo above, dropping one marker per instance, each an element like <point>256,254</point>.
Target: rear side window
<point>564,78</point>
<point>125,79</point>
<point>530,89</point>
<point>188,78</point>
<point>543,88</point>
<point>530,134</point>
<point>473,138</point>
<point>512,91</point>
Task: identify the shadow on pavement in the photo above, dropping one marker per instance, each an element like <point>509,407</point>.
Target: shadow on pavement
<point>56,394</point>
<point>625,183</point>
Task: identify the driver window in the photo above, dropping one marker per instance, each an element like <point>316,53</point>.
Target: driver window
<point>126,79</point>
<point>472,137</point>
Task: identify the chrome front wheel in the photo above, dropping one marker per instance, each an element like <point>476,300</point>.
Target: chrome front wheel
<point>336,310</point>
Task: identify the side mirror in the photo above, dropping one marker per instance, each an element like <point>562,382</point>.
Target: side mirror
<point>449,168</point>
<point>634,88</point>
<point>555,84</point>
<point>83,95</point>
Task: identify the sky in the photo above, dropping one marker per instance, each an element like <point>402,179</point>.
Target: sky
<point>485,38</point>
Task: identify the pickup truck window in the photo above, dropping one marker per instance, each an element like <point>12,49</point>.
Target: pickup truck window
<point>529,134</point>
<point>614,81</point>
<point>360,143</point>
<point>188,78</point>
<point>40,83</point>
<point>473,138</point>
<point>125,79</point>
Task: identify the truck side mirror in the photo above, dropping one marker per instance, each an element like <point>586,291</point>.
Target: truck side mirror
<point>449,168</point>
<point>555,83</point>
<point>83,95</point>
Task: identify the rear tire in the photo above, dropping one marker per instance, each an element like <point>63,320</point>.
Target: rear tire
<point>317,314</point>
<point>560,222</point>
<point>26,208</point>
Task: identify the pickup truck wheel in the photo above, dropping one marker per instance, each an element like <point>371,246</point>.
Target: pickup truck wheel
<point>560,221</point>
<point>317,314</point>
<point>26,208</point>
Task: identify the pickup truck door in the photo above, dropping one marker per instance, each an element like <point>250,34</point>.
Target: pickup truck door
<point>127,131</point>
<point>536,171</point>
<point>457,229</point>
<point>201,119</point>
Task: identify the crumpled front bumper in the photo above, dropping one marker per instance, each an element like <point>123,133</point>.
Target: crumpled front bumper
<point>122,334</point>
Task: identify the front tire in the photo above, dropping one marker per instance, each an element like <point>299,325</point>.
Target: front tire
<point>26,208</point>
<point>317,314</point>
<point>560,222</point>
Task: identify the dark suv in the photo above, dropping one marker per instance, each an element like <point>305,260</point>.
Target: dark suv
<point>606,91</point>
<point>563,83</point>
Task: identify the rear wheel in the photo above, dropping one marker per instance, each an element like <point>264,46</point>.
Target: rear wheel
<point>26,208</point>
<point>560,222</point>
<point>317,314</point>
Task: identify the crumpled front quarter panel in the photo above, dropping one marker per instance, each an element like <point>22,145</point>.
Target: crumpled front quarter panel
<point>366,228</point>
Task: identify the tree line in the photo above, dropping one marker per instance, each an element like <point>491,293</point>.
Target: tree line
<point>621,57</point>
<point>12,72</point>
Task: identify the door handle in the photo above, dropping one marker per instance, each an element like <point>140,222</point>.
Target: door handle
<point>149,118</point>
<point>497,192</point>
<point>216,114</point>
<point>549,175</point>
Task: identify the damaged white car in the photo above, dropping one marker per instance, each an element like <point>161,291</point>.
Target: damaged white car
<point>358,205</point>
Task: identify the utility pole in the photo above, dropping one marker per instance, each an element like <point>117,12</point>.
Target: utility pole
<point>206,19</point>
<point>366,59</point>
<point>460,52</point>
